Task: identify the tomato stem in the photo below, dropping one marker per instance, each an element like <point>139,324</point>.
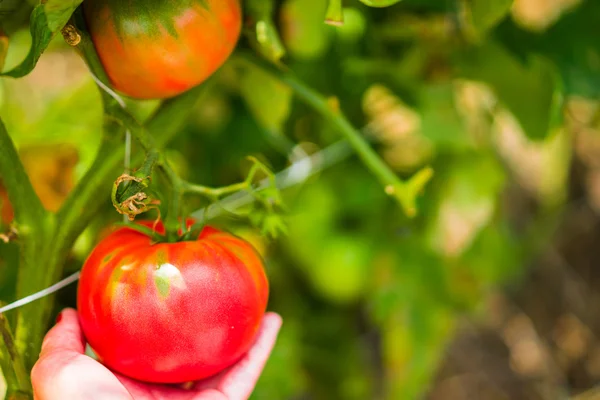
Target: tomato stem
<point>172,220</point>
<point>217,193</point>
<point>403,192</point>
<point>84,46</point>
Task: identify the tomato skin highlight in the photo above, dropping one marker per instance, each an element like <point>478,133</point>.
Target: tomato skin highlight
<point>155,49</point>
<point>171,312</point>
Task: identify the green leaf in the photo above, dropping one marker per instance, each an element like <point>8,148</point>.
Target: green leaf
<point>46,21</point>
<point>59,11</point>
<point>41,36</point>
<point>486,14</point>
<point>527,90</point>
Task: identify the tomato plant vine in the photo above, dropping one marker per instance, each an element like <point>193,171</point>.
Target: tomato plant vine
<point>43,235</point>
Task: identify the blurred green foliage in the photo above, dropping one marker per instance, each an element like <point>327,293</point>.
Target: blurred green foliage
<point>369,298</point>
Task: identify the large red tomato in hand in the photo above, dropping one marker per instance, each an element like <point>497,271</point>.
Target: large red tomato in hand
<point>154,49</point>
<point>171,312</point>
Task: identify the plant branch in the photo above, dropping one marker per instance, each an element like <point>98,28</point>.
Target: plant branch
<point>15,374</point>
<point>403,192</point>
<point>25,202</point>
<point>215,193</point>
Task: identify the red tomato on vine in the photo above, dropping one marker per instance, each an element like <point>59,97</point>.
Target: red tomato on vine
<point>171,312</point>
<point>158,49</point>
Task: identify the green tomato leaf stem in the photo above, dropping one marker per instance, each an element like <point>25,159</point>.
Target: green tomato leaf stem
<point>380,3</point>
<point>46,20</point>
<point>76,35</point>
<point>335,13</point>
<point>401,191</point>
<point>216,193</point>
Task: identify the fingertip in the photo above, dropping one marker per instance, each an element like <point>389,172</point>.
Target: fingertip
<point>239,381</point>
<point>68,315</point>
<point>272,322</point>
<point>273,318</point>
<point>65,335</point>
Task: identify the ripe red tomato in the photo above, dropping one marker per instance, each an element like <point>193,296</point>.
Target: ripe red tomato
<point>154,49</point>
<point>171,312</point>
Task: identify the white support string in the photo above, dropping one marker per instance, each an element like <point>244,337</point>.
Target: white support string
<point>42,293</point>
<point>127,163</point>
<point>296,173</point>
<point>108,90</point>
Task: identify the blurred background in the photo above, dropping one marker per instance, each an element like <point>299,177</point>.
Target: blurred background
<point>491,292</point>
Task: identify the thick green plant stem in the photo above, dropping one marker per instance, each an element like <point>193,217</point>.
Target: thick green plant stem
<point>71,220</point>
<point>28,209</point>
<point>404,192</point>
<point>17,380</point>
<point>172,221</point>
<point>33,223</point>
<point>78,210</point>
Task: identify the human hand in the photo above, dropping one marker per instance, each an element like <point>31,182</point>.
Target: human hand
<point>64,372</point>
